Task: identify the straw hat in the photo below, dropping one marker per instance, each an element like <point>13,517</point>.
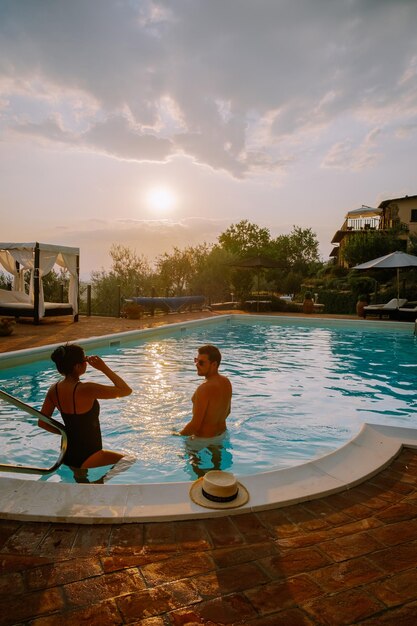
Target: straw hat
<point>219,490</point>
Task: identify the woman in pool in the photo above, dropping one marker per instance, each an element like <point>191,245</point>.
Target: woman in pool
<point>79,407</point>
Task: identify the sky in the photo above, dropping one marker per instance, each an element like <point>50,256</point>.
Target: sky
<point>155,124</point>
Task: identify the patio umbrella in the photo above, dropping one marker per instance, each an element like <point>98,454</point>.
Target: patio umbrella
<point>394,260</point>
<point>257,263</point>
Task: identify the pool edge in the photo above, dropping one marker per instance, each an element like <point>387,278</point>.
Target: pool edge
<point>364,456</point>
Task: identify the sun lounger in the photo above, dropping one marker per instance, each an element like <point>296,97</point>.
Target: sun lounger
<point>389,309</point>
<point>408,313</point>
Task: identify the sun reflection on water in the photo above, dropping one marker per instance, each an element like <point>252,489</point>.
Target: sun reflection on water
<point>298,392</point>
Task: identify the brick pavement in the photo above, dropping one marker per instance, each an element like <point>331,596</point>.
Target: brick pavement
<point>349,558</point>
<point>344,559</point>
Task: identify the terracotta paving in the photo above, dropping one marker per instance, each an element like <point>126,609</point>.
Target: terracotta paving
<point>343,559</point>
<point>349,558</point>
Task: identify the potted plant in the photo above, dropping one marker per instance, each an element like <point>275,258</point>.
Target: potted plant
<point>7,325</point>
<point>361,303</point>
<point>308,304</point>
<point>132,311</point>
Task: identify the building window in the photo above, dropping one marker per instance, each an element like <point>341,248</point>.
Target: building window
<point>413,217</point>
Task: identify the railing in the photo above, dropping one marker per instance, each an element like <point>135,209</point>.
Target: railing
<point>90,307</point>
<point>49,420</point>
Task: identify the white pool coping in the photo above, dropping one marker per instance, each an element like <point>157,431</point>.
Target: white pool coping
<point>364,456</point>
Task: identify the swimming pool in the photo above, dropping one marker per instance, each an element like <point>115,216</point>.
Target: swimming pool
<point>301,388</point>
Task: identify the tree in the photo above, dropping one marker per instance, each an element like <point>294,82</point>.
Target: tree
<point>176,271</point>
<point>213,276</point>
<point>298,257</point>
<point>132,272</point>
<point>412,244</point>
<point>129,275</point>
<point>245,239</point>
<point>292,282</point>
<point>297,251</point>
<point>364,246</point>
<point>55,286</point>
<point>105,293</point>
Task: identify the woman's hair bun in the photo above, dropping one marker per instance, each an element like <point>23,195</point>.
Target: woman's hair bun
<point>67,357</point>
<point>58,354</point>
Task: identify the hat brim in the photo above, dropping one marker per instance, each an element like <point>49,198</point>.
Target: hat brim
<point>196,495</point>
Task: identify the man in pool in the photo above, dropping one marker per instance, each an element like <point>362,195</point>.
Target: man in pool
<point>212,399</point>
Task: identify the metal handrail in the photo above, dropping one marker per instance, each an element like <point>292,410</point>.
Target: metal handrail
<point>49,420</point>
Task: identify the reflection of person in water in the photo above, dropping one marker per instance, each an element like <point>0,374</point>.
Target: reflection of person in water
<point>211,407</point>
<point>205,454</point>
<point>79,407</point>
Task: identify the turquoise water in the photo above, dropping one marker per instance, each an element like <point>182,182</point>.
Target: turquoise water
<point>300,390</point>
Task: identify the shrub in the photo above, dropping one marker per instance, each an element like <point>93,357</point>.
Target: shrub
<point>338,301</point>
<point>361,284</point>
<point>339,271</point>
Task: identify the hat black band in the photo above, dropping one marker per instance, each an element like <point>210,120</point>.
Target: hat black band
<point>219,498</point>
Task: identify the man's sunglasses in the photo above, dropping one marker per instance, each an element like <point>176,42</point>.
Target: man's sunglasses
<point>200,362</point>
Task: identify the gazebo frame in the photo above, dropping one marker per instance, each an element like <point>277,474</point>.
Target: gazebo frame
<point>31,252</point>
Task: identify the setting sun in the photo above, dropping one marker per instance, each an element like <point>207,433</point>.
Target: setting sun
<point>160,200</point>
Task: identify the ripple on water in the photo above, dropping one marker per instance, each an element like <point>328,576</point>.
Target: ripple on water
<point>299,392</point>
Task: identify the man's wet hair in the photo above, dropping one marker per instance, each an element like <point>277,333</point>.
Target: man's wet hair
<point>212,352</point>
<point>67,357</point>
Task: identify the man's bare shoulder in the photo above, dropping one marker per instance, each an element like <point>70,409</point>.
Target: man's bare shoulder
<point>215,382</point>
<point>225,380</point>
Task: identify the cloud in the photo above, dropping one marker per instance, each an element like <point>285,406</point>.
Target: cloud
<point>348,156</point>
<point>114,137</point>
<point>407,130</point>
<point>149,238</point>
<point>145,80</point>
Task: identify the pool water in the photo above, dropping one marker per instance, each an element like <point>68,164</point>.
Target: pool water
<point>300,390</point>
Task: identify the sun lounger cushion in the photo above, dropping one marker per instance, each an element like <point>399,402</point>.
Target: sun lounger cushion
<point>394,303</point>
<point>391,308</point>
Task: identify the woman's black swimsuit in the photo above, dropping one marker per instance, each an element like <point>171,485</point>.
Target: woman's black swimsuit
<point>83,432</point>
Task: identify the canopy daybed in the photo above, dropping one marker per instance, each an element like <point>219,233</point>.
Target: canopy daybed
<point>39,258</point>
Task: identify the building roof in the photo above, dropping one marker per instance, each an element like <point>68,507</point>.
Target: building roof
<point>385,203</point>
<point>47,247</point>
<point>338,236</point>
<point>365,211</point>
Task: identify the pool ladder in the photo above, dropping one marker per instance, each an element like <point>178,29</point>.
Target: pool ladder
<point>34,413</point>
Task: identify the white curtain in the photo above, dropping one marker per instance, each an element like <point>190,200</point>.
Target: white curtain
<point>8,259</point>
<point>46,262</point>
<point>69,261</point>
<point>9,264</point>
